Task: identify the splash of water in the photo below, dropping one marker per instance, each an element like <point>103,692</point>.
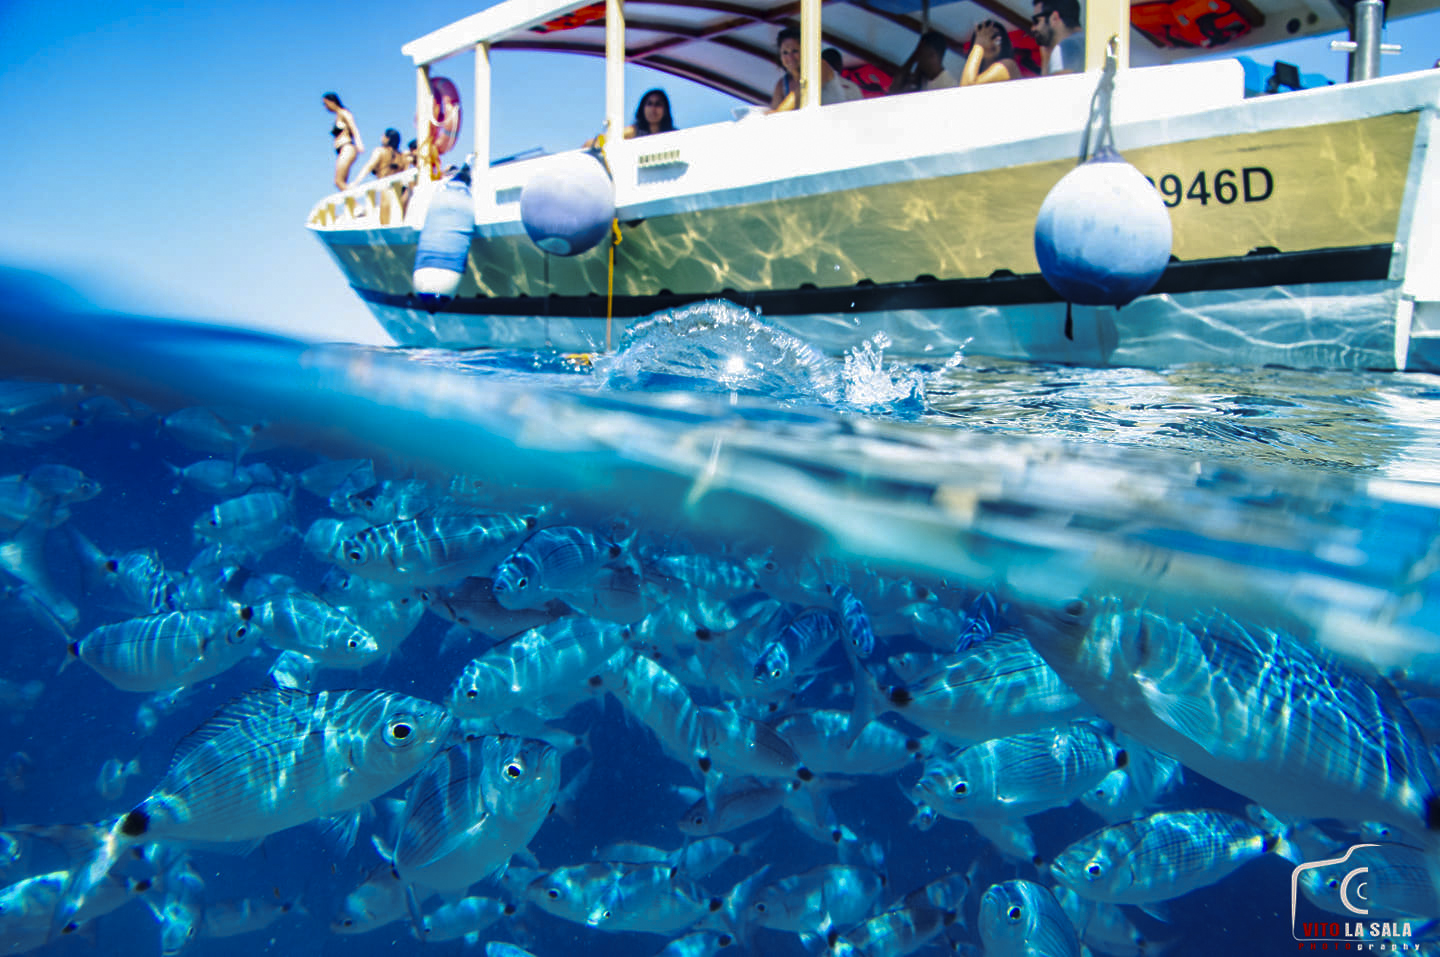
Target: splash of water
<point>719,347</point>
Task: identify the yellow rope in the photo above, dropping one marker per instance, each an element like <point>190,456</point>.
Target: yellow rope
<point>615,238</point>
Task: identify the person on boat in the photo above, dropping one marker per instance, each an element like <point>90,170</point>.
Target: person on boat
<point>925,70</point>
<point>845,90</point>
<point>992,56</point>
<point>347,138</point>
<point>387,159</point>
<point>786,95</point>
<point>1056,27</point>
<point>652,115</point>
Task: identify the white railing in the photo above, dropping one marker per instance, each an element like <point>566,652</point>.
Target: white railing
<point>380,202</point>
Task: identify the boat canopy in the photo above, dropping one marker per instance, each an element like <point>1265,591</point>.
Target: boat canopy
<point>729,45</point>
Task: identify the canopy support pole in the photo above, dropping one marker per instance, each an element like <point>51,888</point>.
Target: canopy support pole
<point>480,113</point>
<point>1104,19</point>
<point>424,125</point>
<point>614,70</point>
<point>809,53</point>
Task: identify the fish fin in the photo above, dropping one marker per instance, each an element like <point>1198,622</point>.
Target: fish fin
<point>339,832</point>
<point>1182,712</point>
<point>412,904</point>
<point>387,854</point>
<point>1157,910</point>
<point>243,708</point>
<point>870,700</point>
<point>24,557</point>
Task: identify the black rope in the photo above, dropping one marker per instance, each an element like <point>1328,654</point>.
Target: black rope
<point>1100,105</point>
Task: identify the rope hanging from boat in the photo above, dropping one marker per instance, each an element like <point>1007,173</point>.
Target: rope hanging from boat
<point>1100,105</point>
<point>615,238</point>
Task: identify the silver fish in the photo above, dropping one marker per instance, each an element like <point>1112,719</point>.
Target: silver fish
<point>172,650</point>
<point>1023,919</point>
<point>28,908</point>
<point>434,548</point>
<point>269,761</point>
<point>255,522</point>
<point>819,900</point>
<point>472,807</point>
<point>998,687</point>
<point>466,918</point>
<point>246,915</point>
<point>553,657</point>
<point>316,629</point>
<point>820,738</point>
<point>1021,774</point>
<point>1253,709</point>
<point>551,563</point>
<point>1162,856</point>
<point>1397,883</point>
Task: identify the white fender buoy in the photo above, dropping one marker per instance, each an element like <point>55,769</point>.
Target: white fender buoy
<point>1103,234</point>
<point>444,242</point>
<point>568,207</point>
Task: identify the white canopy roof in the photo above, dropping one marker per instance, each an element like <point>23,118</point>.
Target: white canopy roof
<point>729,45</point>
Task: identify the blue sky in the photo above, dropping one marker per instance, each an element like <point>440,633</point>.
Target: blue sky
<point>164,155</point>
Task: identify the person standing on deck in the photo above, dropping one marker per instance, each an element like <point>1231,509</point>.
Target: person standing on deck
<point>1056,27</point>
<point>347,138</point>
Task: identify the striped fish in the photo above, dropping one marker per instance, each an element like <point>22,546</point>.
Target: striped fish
<point>552,658</point>
<point>998,687</point>
<point>1019,775</point>
<point>269,761</point>
<point>551,563</point>
<point>473,806</point>
<point>1253,709</point>
<point>173,650</point>
<point>1023,919</point>
<point>1162,856</point>
<point>435,547</point>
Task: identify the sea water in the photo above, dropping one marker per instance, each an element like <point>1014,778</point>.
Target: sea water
<point>1311,498</point>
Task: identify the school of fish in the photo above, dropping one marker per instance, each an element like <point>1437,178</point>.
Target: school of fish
<point>1046,753</point>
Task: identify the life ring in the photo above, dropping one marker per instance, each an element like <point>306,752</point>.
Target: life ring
<point>445,118</point>
<point>1190,24</point>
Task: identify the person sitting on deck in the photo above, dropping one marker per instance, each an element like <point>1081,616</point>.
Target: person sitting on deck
<point>839,89</point>
<point>786,95</point>
<point>992,56</point>
<point>1056,27</point>
<point>925,70</point>
<point>387,159</point>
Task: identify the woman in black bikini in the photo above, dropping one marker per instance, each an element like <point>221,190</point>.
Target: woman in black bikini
<point>387,158</point>
<point>347,138</point>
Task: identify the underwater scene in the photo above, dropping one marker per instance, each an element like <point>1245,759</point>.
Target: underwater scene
<point>713,644</point>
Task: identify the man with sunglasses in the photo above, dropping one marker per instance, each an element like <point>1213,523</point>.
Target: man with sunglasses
<point>1056,28</point>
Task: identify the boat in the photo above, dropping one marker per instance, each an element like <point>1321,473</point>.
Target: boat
<point>1303,222</point>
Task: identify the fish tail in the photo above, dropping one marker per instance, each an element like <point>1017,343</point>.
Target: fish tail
<point>94,849</point>
<point>736,905</point>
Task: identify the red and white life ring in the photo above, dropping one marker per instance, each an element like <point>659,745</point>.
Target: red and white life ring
<point>445,114</point>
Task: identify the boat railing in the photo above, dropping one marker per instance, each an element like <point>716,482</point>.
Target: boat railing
<point>380,202</point>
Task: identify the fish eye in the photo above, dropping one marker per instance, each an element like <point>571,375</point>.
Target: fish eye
<point>399,731</point>
<point>553,894</point>
<point>962,788</point>
<point>1014,913</point>
<point>353,554</point>
<point>522,583</point>
<point>1094,869</point>
<point>513,770</point>
<point>347,922</point>
<point>353,643</point>
<point>1332,883</point>
<point>776,673</point>
<point>760,907</point>
<point>241,631</point>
